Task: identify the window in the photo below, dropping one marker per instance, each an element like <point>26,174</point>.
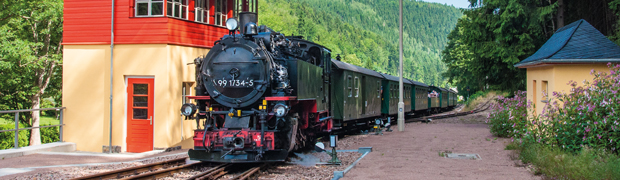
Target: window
<point>349,86</point>
<point>202,11</point>
<point>220,12</point>
<point>378,89</point>
<point>245,5</point>
<point>545,91</point>
<point>535,92</point>
<point>187,91</point>
<point>177,8</point>
<point>357,86</point>
<point>149,8</point>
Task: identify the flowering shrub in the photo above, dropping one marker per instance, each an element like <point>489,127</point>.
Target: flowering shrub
<point>589,115</point>
<point>508,117</point>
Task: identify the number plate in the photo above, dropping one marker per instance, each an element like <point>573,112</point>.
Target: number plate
<point>233,83</point>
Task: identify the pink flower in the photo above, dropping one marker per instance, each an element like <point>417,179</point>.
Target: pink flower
<point>599,136</point>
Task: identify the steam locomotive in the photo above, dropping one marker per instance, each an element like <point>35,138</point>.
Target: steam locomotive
<point>261,94</point>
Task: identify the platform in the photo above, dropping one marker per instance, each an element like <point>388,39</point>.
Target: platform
<point>49,147</point>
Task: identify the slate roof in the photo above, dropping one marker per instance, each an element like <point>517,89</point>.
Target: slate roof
<point>354,68</point>
<point>578,42</point>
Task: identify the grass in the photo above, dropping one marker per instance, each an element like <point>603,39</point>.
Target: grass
<point>475,100</point>
<point>553,163</point>
<point>45,120</point>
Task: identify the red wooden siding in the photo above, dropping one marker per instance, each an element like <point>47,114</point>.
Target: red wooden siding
<point>88,22</point>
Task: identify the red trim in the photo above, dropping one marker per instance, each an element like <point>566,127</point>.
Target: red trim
<point>281,98</point>
<point>199,97</point>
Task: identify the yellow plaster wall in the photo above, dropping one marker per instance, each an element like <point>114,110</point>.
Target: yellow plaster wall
<point>558,77</point>
<point>86,92</point>
<point>84,95</point>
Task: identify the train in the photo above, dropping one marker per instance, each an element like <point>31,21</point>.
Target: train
<point>261,95</point>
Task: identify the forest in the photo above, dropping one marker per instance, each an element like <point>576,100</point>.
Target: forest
<point>493,36</point>
<point>365,32</point>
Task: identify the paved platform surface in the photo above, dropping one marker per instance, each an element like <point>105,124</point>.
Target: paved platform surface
<point>43,161</point>
<point>49,147</point>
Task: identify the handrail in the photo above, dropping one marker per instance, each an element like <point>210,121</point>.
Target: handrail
<point>29,110</point>
<point>17,129</point>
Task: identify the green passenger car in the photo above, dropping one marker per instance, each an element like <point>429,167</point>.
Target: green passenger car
<point>389,104</point>
<point>356,93</point>
<point>419,97</point>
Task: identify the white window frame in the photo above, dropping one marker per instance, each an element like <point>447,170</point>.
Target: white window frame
<point>357,86</point>
<point>174,4</point>
<point>202,10</point>
<point>150,8</point>
<point>221,12</point>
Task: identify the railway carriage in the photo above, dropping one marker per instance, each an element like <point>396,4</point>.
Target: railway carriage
<point>390,98</point>
<point>356,95</point>
<point>419,98</point>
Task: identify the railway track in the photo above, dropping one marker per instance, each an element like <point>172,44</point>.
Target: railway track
<point>170,167</point>
<point>484,107</point>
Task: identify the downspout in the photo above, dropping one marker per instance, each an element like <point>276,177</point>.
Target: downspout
<point>111,73</point>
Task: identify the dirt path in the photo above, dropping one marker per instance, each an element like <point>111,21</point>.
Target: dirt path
<point>415,153</point>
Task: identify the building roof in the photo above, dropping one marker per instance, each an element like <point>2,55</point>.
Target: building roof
<point>578,42</point>
<point>354,68</point>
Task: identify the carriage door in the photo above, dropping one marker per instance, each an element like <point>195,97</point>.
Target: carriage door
<point>364,100</point>
<point>140,114</point>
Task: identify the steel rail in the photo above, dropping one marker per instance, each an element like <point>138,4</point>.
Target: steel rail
<point>163,172</point>
<point>484,107</point>
<point>248,173</point>
<point>132,170</point>
<point>210,173</point>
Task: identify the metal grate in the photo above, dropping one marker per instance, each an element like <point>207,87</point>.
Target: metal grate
<point>463,156</point>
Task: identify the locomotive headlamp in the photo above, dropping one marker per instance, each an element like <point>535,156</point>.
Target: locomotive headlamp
<point>232,24</point>
<point>188,109</point>
<point>280,110</point>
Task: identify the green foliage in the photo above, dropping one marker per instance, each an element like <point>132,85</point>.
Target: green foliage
<point>7,139</point>
<point>508,118</point>
<point>555,163</point>
<point>490,39</point>
<point>30,53</point>
<point>365,32</point>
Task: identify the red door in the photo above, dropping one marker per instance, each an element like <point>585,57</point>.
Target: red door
<point>139,115</point>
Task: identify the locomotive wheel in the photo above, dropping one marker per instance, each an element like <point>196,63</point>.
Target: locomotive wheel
<point>292,133</point>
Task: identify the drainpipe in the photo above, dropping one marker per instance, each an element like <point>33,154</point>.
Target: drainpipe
<point>111,73</point>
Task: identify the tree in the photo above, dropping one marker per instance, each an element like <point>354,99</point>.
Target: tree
<point>494,36</point>
<point>30,54</point>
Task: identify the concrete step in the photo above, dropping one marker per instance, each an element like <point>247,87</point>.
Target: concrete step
<point>49,147</point>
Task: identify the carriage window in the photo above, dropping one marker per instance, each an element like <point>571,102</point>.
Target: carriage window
<point>378,89</point>
<point>357,86</point>
<point>349,86</point>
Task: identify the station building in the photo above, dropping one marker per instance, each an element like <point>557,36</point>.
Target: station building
<point>152,45</point>
<point>570,54</point>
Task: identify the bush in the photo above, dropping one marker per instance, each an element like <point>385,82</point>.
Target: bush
<point>556,163</point>
<point>7,139</point>
<point>508,117</point>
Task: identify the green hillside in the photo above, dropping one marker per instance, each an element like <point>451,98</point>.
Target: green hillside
<point>365,32</point>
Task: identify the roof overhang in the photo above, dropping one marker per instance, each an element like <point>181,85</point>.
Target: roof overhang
<point>547,62</point>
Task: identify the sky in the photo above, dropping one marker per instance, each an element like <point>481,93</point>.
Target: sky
<point>456,3</point>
